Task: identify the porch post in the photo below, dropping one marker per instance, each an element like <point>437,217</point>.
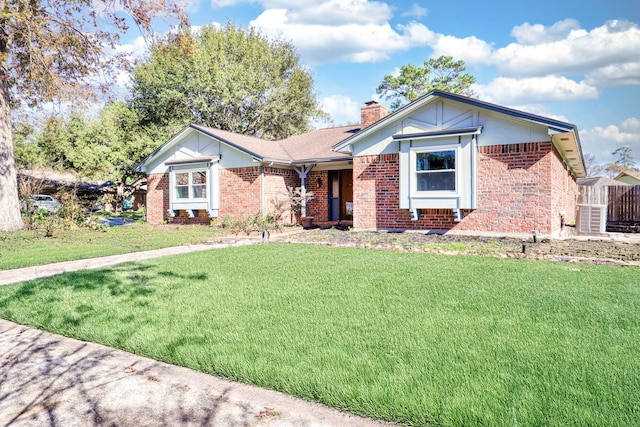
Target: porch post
<point>303,171</point>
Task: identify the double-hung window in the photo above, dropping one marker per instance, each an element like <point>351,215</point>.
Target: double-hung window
<point>435,170</point>
<point>190,185</point>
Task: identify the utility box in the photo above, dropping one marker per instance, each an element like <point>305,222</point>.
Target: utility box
<point>592,219</point>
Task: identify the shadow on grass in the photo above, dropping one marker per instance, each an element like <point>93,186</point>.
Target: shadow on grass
<point>69,299</point>
<point>50,380</point>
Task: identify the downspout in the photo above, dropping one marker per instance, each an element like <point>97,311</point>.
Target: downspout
<point>262,195</point>
<point>415,214</point>
<point>474,173</point>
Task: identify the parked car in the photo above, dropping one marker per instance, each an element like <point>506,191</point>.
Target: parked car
<point>35,202</point>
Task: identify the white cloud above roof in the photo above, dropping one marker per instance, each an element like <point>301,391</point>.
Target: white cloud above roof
<point>333,31</point>
<point>471,50</point>
<point>347,42</point>
<point>628,132</point>
<point>505,90</point>
<point>626,74</point>
<point>579,52</point>
<point>342,109</point>
<point>527,34</point>
<point>600,140</point>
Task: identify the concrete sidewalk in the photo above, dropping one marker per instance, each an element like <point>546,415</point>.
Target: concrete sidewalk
<point>29,273</point>
<point>50,380</point>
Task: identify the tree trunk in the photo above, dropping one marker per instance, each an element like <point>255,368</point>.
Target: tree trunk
<point>10,219</point>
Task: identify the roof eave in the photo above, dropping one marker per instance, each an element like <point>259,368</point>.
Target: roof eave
<point>321,160</point>
<point>568,145</point>
<point>273,161</point>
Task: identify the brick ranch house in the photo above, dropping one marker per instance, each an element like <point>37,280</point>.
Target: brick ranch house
<point>443,162</point>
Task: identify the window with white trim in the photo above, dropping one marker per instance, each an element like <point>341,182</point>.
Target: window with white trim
<point>190,185</point>
<point>435,170</point>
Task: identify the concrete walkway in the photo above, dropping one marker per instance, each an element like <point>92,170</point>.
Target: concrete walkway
<point>51,380</point>
<point>29,273</point>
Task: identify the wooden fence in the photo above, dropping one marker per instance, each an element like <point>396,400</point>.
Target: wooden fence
<point>624,204</point>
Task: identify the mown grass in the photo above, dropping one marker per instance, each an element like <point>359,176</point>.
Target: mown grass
<point>408,337</point>
<point>29,248</point>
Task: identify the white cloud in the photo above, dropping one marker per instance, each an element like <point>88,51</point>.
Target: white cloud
<point>615,75</point>
<point>631,125</point>
<point>621,135</point>
<point>358,42</point>
<point>342,109</point>
<point>470,49</point>
<point>416,11</point>
<point>603,140</point>
<point>504,90</point>
<point>527,34</point>
<point>134,50</point>
<point>337,12</point>
<point>224,3</point>
<point>580,51</point>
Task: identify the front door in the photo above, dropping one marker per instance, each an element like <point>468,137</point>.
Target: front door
<point>341,195</point>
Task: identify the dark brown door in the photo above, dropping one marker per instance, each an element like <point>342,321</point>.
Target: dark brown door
<point>346,194</point>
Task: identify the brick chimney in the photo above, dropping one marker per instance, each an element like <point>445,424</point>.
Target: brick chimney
<point>371,113</point>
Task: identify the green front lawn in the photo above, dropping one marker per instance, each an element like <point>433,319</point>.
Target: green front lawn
<point>29,248</point>
<point>408,337</point>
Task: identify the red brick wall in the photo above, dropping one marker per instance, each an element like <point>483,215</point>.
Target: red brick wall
<point>239,194</point>
<point>276,182</point>
<point>563,192</point>
<point>514,189</point>
<point>318,182</point>
<point>375,193</point>
<point>239,191</point>
<point>157,197</point>
<point>521,188</point>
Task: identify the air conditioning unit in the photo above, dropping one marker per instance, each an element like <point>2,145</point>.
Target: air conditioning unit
<point>592,219</point>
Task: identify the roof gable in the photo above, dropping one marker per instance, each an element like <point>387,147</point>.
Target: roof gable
<point>635,175</point>
<point>418,117</point>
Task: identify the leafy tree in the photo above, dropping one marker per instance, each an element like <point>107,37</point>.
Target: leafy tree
<point>27,152</point>
<point>48,49</point>
<point>412,81</point>
<point>106,147</point>
<point>228,78</point>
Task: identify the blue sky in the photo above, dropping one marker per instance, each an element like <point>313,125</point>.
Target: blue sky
<point>577,61</point>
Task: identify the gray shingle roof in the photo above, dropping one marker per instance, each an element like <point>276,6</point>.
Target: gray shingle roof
<point>312,146</point>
